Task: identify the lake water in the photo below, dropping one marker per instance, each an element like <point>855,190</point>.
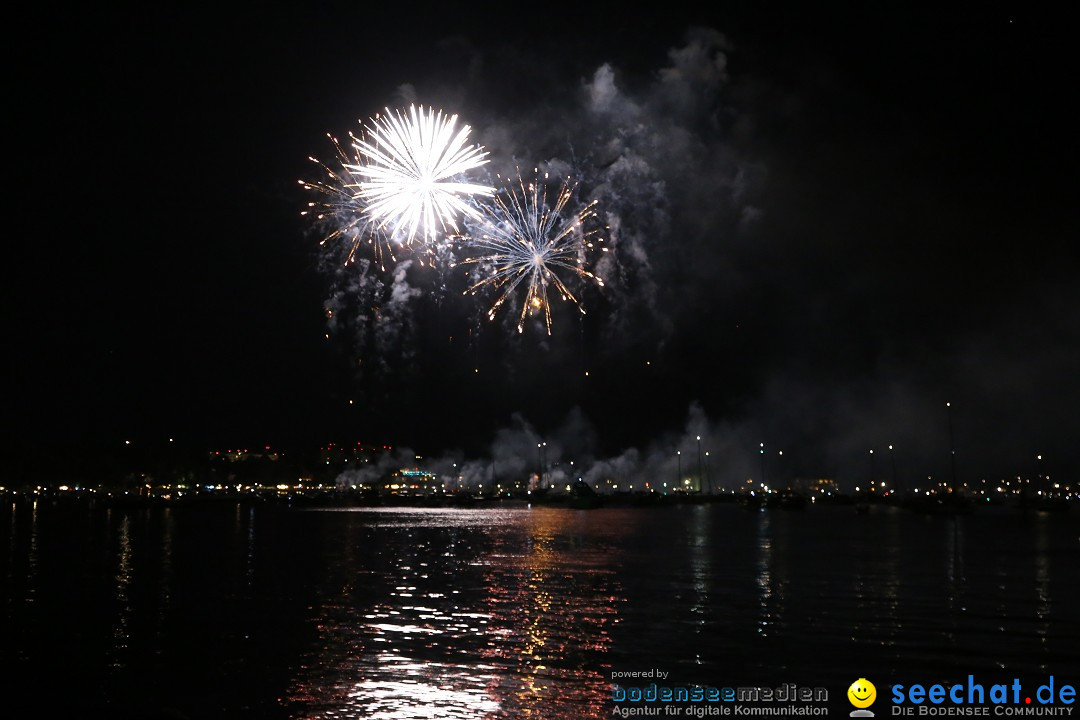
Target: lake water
<point>513,612</point>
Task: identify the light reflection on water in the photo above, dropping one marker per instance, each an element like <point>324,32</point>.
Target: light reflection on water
<point>519,620</point>
<point>264,612</point>
<point>123,578</point>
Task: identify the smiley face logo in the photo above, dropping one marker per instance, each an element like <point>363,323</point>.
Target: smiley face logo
<point>862,693</point>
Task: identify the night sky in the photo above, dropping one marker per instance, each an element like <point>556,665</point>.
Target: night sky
<point>832,220</point>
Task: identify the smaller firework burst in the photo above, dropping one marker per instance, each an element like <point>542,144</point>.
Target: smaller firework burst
<point>341,209</point>
<point>523,240</point>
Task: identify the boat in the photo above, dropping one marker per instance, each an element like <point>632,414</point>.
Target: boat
<point>583,497</point>
<point>752,500</point>
<point>949,503</point>
<point>461,498</point>
<point>791,500</point>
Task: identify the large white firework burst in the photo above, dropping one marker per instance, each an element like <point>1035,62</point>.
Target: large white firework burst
<point>410,174</point>
<point>524,240</point>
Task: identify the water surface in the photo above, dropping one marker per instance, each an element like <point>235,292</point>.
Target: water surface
<point>274,612</point>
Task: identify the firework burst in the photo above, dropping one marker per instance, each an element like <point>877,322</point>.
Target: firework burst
<point>409,169</point>
<point>341,209</point>
<point>523,239</point>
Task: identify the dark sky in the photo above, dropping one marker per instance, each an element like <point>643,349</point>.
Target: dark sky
<point>833,220</point>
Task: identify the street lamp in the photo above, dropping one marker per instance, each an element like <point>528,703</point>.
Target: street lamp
<point>678,474</point>
<point>871,467</point>
<point>707,471</point>
<point>892,462</point>
<point>700,466</point>
<point>952,446</point>
<point>762,451</point>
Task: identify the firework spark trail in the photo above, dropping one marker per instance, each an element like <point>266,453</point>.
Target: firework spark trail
<point>343,209</point>
<point>407,167</point>
<point>524,240</point>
